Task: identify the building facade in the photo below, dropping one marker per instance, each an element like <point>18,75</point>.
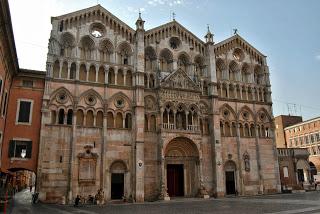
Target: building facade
<point>281,122</point>
<point>149,114</point>
<point>306,135</point>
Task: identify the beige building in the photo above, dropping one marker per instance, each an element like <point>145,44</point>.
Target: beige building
<point>153,114</point>
<point>306,134</point>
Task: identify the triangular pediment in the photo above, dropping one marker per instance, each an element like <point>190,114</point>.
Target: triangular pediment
<point>177,30</point>
<point>95,13</point>
<point>237,41</point>
<point>179,80</point>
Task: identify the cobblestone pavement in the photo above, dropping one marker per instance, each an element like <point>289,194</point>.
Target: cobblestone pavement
<point>281,204</point>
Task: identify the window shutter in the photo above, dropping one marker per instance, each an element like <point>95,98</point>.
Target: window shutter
<point>12,144</point>
<point>29,149</point>
<point>24,111</point>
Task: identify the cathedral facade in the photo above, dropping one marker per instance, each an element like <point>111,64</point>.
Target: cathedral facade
<point>152,114</point>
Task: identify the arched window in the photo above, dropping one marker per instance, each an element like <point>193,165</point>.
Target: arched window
<point>222,129</point>
<point>64,70</point>
<point>146,128</point>
<point>110,120</point>
<point>234,130</point>
<point>69,117</point>
<point>151,81</point>
<point>86,47</point>
<point>233,71</point>
<point>263,132</point>
<point>184,62</point>
<point>53,117</point>
<point>150,57</point>
<point>80,117</point>
<point>220,68</point>
<point>166,60</point>
<point>227,129</point>
<point>83,73</point>
<point>61,116</point>
<point>245,71</point>
<point>99,119</point>
<point>73,71</point>
<point>89,118</point>
<point>128,121</point>
<point>101,75</point>
<point>205,88</point>
<point>153,123</point>
<point>120,79</point>
<point>106,50</point>
<point>111,77</point>
<point>119,120</point>
<point>246,130</point>
<point>124,53</point>
<point>145,80</point>
<point>241,130</point>
<point>129,78</point>
<point>92,73</point>
<point>56,69</point>
<point>252,131</point>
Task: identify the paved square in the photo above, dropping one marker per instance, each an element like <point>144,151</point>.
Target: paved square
<point>282,203</point>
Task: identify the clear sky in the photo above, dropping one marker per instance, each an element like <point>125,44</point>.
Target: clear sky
<point>287,31</point>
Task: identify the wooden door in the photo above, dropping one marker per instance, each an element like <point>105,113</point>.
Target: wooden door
<point>175,182</point>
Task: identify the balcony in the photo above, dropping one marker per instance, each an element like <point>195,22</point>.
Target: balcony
<point>189,128</point>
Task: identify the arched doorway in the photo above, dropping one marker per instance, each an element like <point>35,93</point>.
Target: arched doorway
<point>182,167</point>
<point>303,171</point>
<point>313,170</point>
<point>118,170</point>
<point>230,176</point>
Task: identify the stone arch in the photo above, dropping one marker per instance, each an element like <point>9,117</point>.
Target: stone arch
<point>230,109</point>
<point>182,155</point>
<point>61,90</point>
<point>243,109</point>
<point>118,166</point>
<point>93,93</point>
<point>233,70</point>
<point>263,110</point>
<point>121,95</point>
<point>150,103</point>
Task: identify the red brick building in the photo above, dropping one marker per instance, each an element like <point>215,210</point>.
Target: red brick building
<point>22,131</point>
<point>281,122</point>
<point>22,90</point>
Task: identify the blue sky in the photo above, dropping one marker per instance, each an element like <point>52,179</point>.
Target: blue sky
<point>287,31</point>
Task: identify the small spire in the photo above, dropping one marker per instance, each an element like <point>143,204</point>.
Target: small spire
<point>208,27</point>
<point>139,15</point>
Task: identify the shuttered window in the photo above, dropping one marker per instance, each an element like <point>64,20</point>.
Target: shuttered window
<point>24,112</point>
<point>20,149</point>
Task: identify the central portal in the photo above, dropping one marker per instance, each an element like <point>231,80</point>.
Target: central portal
<point>175,182</point>
<point>182,168</point>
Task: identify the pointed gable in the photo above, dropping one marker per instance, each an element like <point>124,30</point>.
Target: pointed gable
<point>237,41</point>
<point>174,29</point>
<point>179,80</point>
<point>92,14</point>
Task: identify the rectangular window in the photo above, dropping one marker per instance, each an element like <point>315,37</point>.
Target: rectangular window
<point>20,149</point>
<point>27,83</point>
<point>24,111</point>
<point>0,86</point>
<point>4,106</point>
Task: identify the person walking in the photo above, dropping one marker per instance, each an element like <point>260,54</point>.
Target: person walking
<point>30,188</point>
<point>76,201</point>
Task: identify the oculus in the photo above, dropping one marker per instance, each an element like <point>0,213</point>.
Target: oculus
<point>174,43</point>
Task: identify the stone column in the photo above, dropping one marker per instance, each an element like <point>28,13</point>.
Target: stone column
<point>258,161</point>
<point>77,71</point>
<point>238,139</point>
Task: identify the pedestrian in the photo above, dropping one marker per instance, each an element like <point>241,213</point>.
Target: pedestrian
<point>76,201</point>
<point>315,184</point>
<point>30,188</point>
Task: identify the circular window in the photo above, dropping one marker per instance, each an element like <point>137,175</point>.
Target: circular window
<point>90,100</point>
<point>174,43</point>
<point>62,97</point>
<point>225,113</point>
<point>97,30</point>
<point>245,115</point>
<point>262,116</point>
<point>119,103</point>
<point>238,54</point>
